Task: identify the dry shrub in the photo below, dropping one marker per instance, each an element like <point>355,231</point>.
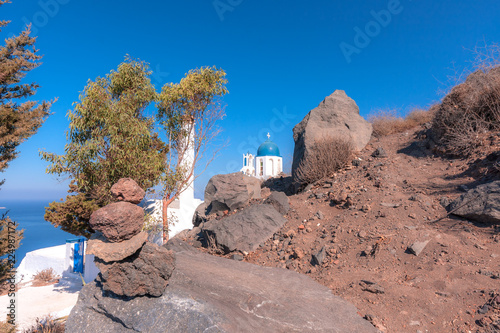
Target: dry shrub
<point>326,156</point>
<point>47,275</point>
<point>5,327</point>
<point>471,110</point>
<point>47,325</point>
<point>420,116</point>
<point>468,113</point>
<point>386,122</point>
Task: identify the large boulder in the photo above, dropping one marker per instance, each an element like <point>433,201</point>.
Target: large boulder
<point>481,204</point>
<point>337,116</point>
<point>144,273</point>
<point>231,191</point>
<point>126,189</point>
<point>245,230</point>
<point>100,247</point>
<point>118,221</point>
<point>212,294</point>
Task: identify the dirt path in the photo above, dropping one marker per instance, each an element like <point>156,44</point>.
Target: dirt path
<point>56,300</point>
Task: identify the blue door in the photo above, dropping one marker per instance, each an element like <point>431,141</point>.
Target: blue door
<point>78,257</point>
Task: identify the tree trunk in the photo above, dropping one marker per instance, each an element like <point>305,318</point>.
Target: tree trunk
<point>165,204</point>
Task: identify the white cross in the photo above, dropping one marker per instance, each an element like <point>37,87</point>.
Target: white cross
<point>268,136</point>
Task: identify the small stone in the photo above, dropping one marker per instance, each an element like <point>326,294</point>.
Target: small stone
<point>362,234</point>
<point>319,258</point>
<point>308,229</point>
<point>290,233</point>
<point>444,201</point>
<point>298,253</point>
<point>379,153</point>
<point>301,227</point>
<point>483,309</point>
<point>371,287</point>
<point>417,247</point>
<point>320,215</point>
<point>375,322</point>
<point>237,257</point>
<point>390,205</point>
<point>412,215</point>
<point>366,208</point>
<point>319,196</point>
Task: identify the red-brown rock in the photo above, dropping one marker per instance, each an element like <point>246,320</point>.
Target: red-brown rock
<point>126,189</point>
<point>118,221</point>
<point>100,247</point>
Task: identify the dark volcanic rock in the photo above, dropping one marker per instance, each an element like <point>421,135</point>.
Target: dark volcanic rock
<point>212,294</point>
<point>337,116</point>
<point>144,273</point>
<point>100,247</point>
<point>319,258</point>
<point>126,189</point>
<point>118,221</point>
<point>199,215</point>
<point>279,200</point>
<point>481,204</point>
<point>245,230</point>
<point>379,153</point>
<point>230,192</point>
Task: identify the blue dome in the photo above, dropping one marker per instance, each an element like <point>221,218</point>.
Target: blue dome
<point>268,148</point>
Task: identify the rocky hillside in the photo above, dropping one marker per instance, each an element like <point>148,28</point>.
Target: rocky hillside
<point>378,234</point>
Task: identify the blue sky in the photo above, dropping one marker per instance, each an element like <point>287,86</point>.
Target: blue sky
<point>281,57</point>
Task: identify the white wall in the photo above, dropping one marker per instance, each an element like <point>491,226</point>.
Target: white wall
<point>269,170</point>
<point>60,259</point>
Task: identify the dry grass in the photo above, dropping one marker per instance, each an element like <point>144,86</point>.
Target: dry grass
<point>47,325</point>
<point>470,112</point>
<point>327,156</point>
<point>386,122</point>
<point>5,327</point>
<point>45,276</point>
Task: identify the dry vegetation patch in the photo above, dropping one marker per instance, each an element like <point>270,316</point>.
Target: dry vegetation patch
<point>386,122</point>
<point>47,325</point>
<point>469,113</point>
<point>45,276</point>
<point>327,156</point>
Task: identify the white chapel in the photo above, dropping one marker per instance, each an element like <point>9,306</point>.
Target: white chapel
<point>268,162</point>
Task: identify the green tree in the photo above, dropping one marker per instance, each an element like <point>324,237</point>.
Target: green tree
<point>188,113</point>
<point>19,119</point>
<point>109,138</point>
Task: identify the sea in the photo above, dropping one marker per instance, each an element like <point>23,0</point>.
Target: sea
<point>38,233</point>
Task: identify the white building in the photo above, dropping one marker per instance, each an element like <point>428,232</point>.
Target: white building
<point>268,162</point>
<point>67,261</point>
<point>181,210</point>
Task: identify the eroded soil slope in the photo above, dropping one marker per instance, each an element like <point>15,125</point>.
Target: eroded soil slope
<point>359,233</point>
